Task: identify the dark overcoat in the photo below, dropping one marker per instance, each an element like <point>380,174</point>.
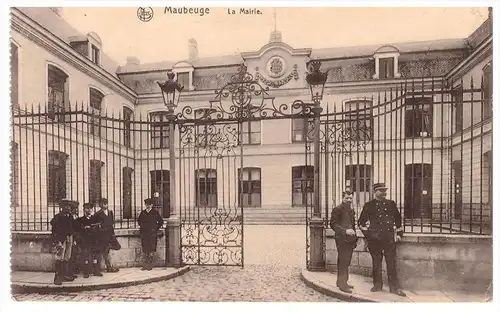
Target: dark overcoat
<point>149,223</point>
<point>62,226</point>
<point>107,231</point>
<point>90,231</point>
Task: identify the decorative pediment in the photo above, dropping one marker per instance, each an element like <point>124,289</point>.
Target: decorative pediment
<point>182,65</point>
<point>386,49</point>
<point>276,45</point>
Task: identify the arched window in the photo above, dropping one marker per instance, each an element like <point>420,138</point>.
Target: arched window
<point>127,192</point>
<point>160,190</point>
<point>206,187</point>
<point>418,117</point>
<point>58,97</point>
<point>358,120</point>
<point>95,109</point>
<point>56,176</point>
<point>95,180</point>
<point>127,118</point>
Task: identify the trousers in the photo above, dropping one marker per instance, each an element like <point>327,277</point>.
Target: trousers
<point>378,250</point>
<point>344,255</point>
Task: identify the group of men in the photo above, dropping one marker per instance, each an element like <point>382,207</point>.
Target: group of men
<point>81,242</point>
<point>380,223</point>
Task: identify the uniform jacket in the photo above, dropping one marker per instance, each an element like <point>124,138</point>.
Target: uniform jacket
<point>383,216</point>
<point>90,230</point>
<point>342,219</point>
<point>62,226</point>
<point>107,225</point>
<point>149,222</point>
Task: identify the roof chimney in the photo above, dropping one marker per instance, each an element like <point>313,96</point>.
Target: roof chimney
<point>193,50</point>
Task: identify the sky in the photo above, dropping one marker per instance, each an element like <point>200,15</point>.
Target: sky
<point>166,36</point>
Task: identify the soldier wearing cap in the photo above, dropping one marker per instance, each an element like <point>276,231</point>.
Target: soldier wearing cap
<point>343,222</point>
<point>89,245</point>
<point>150,222</point>
<point>106,219</point>
<point>380,222</point>
<point>62,237</point>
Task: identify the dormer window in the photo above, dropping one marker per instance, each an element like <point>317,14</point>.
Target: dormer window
<point>386,63</point>
<point>184,74</point>
<point>95,55</point>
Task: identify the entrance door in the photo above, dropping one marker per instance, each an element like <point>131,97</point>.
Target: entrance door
<point>457,172</point>
<point>160,191</point>
<point>418,191</point>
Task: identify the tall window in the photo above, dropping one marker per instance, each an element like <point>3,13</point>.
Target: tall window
<point>206,187</point>
<point>95,180</point>
<point>57,86</point>
<point>183,80</point>
<point>56,176</point>
<point>358,177</point>
<point>14,173</point>
<point>14,77</point>
<point>359,120</point>
<point>249,188</point>
<point>418,117</point>
<point>95,55</point>
<point>488,90</point>
<point>458,101</point>
<point>127,192</point>
<point>302,185</point>
<point>160,190</point>
<point>95,109</point>
<point>160,130</point>
<point>251,132</point>
<point>386,67</point>
<point>302,129</point>
<point>205,131</point>
<point>127,118</point>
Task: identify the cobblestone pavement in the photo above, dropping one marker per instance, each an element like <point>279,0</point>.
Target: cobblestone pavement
<point>251,283</point>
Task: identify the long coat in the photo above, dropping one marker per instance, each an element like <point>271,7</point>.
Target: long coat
<point>62,226</point>
<point>342,219</point>
<point>90,235</point>
<point>384,219</point>
<point>107,227</point>
<point>149,223</point>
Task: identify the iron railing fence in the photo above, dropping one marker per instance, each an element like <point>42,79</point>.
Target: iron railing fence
<point>429,143</point>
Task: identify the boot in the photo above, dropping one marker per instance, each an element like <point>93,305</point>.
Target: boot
<point>67,276</point>
<point>97,267</point>
<point>149,266</point>
<point>146,261</point>
<point>86,269</point>
<point>58,275</point>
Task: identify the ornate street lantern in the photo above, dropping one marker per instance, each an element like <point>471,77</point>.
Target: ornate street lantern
<point>171,91</point>
<point>316,80</point>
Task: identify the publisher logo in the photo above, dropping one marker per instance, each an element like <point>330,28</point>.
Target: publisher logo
<point>145,14</point>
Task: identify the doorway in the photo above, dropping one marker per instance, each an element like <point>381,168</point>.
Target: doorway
<point>418,191</point>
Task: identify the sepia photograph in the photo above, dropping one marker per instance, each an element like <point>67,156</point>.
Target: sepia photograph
<point>251,154</point>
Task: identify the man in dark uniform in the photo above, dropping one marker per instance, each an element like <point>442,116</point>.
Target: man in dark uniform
<point>89,243</point>
<point>380,222</point>
<point>343,222</point>
<point>106,218</point>
<point>62,238</point>
<point>150,222</point>
<point>76,252</point>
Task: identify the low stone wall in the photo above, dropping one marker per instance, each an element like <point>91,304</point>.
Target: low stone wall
<point>429,261</point>
<point>32,251</point>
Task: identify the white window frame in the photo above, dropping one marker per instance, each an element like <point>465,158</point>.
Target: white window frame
<point>380,55</point>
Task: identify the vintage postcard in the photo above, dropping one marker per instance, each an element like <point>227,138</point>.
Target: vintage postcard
<point>251,154</point>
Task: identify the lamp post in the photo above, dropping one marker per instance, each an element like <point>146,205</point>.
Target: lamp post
<point>316,81</point>
<point>171,92</point>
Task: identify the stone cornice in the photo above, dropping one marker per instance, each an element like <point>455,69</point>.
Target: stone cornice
<point>51,43</point>
<point>330,89</point>
<point>478,55</point>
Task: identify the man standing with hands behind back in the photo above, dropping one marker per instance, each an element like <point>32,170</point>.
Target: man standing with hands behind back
<point>380,222</point>
<point>343,222</point>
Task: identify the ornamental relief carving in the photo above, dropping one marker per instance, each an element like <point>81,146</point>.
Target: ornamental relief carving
<point>294,74</point>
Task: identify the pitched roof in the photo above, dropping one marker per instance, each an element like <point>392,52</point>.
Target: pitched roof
<point>57,25</point>
<point>403,47</point>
